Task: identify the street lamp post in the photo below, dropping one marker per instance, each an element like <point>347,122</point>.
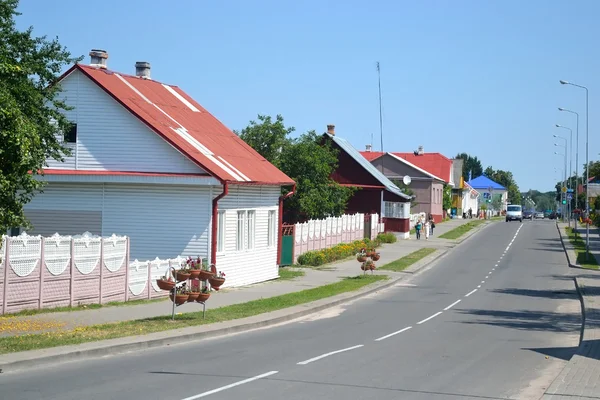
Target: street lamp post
<point>587,165</point>
<point>565,174</point>
<point>576,157</point>
<point>560,173</point>
<point>569,208</point>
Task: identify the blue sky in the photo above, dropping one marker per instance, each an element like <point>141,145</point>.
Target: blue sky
<point>477,76</point>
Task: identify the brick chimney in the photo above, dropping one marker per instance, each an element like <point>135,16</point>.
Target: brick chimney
<point>331,130</point>
<point>142,69</point>
<point>98,58</point>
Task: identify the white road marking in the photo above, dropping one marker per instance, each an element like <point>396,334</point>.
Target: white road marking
<point>392,334</point>
<point>478,286</point>
<point>428,318</point>
<point>487,276</point>
<point>230,386</point>
<point>471,292</point>
<point>452,305</point>
<point>329,354</point>
<point>482,281</point>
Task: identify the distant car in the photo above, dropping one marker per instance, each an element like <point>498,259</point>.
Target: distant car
<point>539,215</point>
<point>514,213</point>
<point>528,215</point>
<point>552,215</point>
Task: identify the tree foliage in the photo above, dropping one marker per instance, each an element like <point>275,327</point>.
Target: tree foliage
<point>30,112</point>
<point>471,164</point>
<point>447,197</point>
<point>505,178</point>
<point>306,160</point>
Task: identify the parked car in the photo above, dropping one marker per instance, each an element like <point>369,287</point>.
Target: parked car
<point>539,215</point>
<point>552,215</point>
<point>514,213</point>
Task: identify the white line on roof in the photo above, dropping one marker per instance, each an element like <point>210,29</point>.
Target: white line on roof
<point>235,169</point>
<point>181,98</point>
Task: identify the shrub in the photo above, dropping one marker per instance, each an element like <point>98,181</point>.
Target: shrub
<point>387,238</point>
<point>316,258</point>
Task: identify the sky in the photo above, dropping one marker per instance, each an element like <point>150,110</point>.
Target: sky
<point>478,76</point>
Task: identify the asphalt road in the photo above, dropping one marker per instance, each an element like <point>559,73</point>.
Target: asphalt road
<point>496,318</point>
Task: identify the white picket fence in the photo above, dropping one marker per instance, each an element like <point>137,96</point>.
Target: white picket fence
<point>324,233</point>
<point>415,217</point>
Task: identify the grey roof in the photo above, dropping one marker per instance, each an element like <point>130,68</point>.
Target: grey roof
<point>352,152</point>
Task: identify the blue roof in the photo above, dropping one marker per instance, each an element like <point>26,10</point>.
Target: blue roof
<point>352,152</point>
<point>483,182</point>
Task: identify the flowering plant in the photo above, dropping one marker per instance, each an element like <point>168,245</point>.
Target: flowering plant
<point>194,263</point>
<point>221,274</point>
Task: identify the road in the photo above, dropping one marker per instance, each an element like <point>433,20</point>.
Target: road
<point>494,319</point>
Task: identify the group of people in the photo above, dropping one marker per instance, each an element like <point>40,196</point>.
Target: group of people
<point>426,225</point>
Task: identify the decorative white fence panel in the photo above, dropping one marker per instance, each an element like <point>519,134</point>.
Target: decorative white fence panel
<point>415,217</point>
<point>324,233</point>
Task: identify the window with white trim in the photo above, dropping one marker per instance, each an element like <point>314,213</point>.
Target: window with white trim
<point>251,228</point>
<point>272,228</point>
<point>241,218</point>
<point>221,232</point>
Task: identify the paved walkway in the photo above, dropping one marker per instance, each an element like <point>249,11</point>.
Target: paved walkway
<point>580,379</point>
<point>331,273</point>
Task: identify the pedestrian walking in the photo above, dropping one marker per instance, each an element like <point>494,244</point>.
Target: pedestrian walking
<point>431,224</point>
<point>427,229</point>
<point>418,229</point>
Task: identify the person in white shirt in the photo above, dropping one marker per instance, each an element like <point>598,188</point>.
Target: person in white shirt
<point>427,229</point>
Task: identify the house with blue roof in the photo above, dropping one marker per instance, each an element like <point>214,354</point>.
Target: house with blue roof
<point>489,190</point>
<point>376,193</point>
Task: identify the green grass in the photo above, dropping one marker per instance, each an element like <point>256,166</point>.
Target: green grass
<point>94,333</point>
<point>579,247</point>
<point>286,274</point>
<point>461,230</point>
<point>404,262</point>
<point>85,307</point>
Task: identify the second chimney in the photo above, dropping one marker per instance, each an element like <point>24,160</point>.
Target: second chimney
<point>142,69</point>
<point>369,147</point>
<point>331,130</point>
<point>98,58</point>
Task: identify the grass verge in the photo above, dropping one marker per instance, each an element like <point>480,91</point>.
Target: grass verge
<point>579,247</point>
<point>94,333</point>
<point>286,274</point>
<point>84,307</point>
<point>404,262</point>
<point>461,230</point>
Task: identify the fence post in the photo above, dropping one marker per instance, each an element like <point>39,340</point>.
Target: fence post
<point>71,283</point>
<point>101,269</point>
<point>149,285</point>
<point>42,265</point>
<point>127,270</point>
<point>6,267</point>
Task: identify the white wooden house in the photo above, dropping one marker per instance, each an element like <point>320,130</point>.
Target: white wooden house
<point>151,163</point>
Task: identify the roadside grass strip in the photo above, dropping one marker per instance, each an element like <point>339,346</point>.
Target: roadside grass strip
<point>579,248</point>
<point>286,274</point>
<point>404,262</point>
<point>461,230</point>
<point>94,333</point>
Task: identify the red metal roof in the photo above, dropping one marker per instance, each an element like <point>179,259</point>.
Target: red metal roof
<point>434,163</point>
<point>188,127</point>
<point>371,155</point>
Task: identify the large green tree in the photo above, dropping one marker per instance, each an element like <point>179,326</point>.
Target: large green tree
<point>31,120</point>
<point>471,164</point>
<point>306,160</point>
<point>505,178</point>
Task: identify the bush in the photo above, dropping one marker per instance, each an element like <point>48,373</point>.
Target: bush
<point>387,238</point>
<point>316,258</point>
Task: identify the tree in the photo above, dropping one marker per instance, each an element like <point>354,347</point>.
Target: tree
<point>268,138</point>
<point>307,161</point>
<point>505,178</point>
<point>447,197</point>
<point>31,118</point>
<point>406,190</point>
<point>470,165</point>
<point>310,164</point>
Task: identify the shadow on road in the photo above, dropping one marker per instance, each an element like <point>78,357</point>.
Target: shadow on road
<point>546,293</point>
<point>563,353</point>
<point>528,320</point>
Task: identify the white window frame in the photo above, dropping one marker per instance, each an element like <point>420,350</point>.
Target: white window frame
<point>250,229</point>
<point>240,236</point>
<point>272,221</point>
<point>221,228</point>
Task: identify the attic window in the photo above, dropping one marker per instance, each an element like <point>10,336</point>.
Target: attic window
<point>70,135</point>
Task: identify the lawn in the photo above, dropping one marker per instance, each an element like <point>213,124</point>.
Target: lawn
<point>404,262</point>
<point>461,230</point>
<point>93,333</point>
<point>579,246</point>
<point>286,274</point>
<point>85,307</point>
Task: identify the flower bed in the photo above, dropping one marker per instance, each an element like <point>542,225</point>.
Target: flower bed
<point>387,237</point>
<point>338,252</point>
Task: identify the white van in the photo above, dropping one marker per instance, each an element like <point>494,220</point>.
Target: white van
<point>514,213</point>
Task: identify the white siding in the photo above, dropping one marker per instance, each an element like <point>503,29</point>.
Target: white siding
<point>111,138</point>
<point>162,221</point>
<point>259,264</point>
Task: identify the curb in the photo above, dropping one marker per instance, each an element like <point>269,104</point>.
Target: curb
<point>582,303</point>
<point>12,362</point>
<point>571,265</point>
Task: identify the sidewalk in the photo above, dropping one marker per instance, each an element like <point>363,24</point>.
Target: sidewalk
<point>580,379</point>
<point>569,249</point>
<point>327,274</point>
